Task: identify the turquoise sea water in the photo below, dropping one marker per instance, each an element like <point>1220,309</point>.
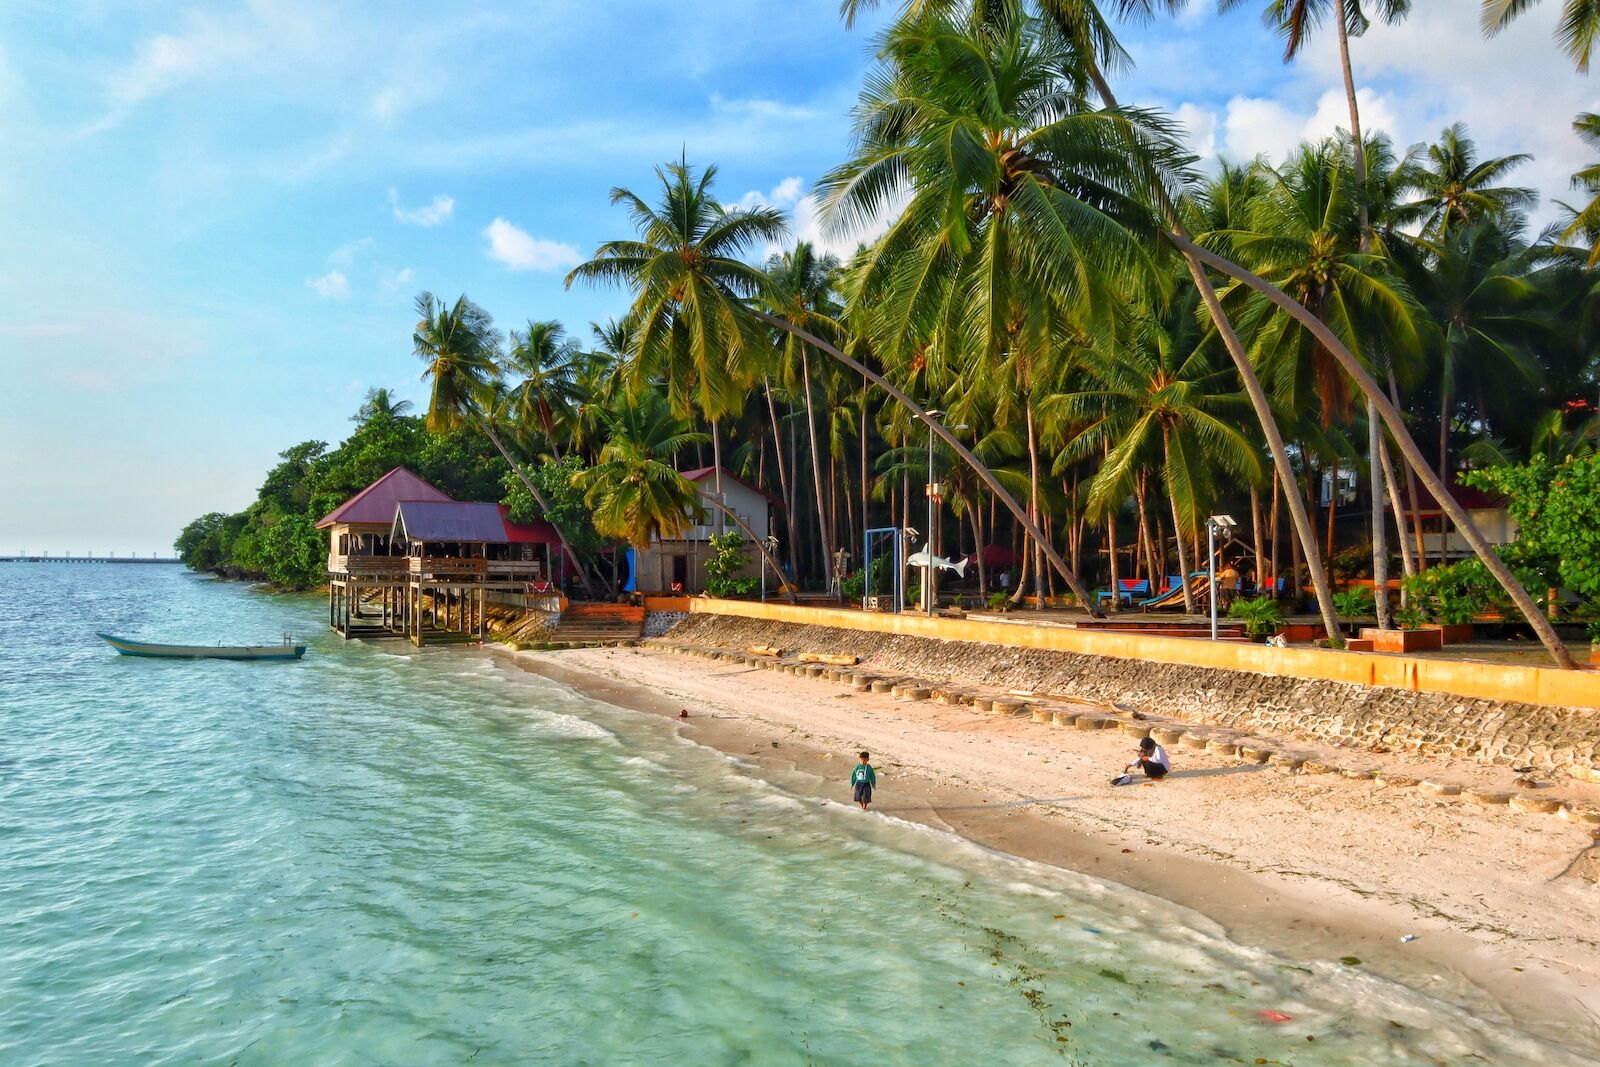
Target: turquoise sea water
<point>380,856</point>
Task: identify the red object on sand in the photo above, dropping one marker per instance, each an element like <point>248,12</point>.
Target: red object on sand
<point>684,714</point>
<point>1273,1016</point>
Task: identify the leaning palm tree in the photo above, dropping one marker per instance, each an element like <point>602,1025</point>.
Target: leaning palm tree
<point>691,326</point>
<point>1088,34</point>
<point>459,344</point>
<point>634,491</point>
<point>1453,187</point>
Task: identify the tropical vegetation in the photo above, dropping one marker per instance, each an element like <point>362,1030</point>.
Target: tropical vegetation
<point>1093,343</point>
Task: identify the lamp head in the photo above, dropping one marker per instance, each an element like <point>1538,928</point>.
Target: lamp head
<point>1223,522</point>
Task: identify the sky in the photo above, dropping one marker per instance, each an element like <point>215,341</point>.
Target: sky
<point>215,217</point>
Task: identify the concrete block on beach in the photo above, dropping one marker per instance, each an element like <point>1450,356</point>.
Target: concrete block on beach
<point>1167,735</point>
<point>1441,789</point>
<point>1136,730</point>
<point>1488,798</point>
<point>1004,707</point>
<point>1042,713</point>
<point>1197,740</point>
<point>1289,761</point>
<point>1091,721</point>
<point>1222,746</point>
<point>1064,717</point>
<point>1535,805</point>
<point>981,703</point>
<point>1256,752</point>
<point>882,685</point>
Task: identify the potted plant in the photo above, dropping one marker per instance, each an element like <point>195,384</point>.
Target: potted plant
<point>1260,616</point>
<point>1414,635</point>
<point>999,601</point>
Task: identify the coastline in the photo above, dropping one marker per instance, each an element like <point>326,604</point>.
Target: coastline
<point>1308,868</point>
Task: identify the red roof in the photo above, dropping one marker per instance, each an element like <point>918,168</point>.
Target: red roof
<point>701,473</point>
<point>537,532</point>
<point>376,503</point>
<point>1465,495</point>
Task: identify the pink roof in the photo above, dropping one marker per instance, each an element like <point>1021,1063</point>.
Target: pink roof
<point>376,503</point>
<point>701,473</point>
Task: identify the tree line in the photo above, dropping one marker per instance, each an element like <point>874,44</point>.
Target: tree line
<point>1117,344</point>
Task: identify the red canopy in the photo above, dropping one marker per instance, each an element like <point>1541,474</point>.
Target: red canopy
<point>995,556</point>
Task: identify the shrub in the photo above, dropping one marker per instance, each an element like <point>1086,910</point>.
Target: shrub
<point>998,600</point>
<point>1356,602</point>
<point>1259,615</point>
<point>722,569</point>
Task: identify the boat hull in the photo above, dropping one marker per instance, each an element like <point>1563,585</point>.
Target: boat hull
<point>151,650</point>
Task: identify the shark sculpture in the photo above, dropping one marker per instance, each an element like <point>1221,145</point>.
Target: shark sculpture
<point>920,560</point>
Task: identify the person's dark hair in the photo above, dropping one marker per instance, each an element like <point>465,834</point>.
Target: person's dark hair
<point>866,755</point>
<point>1147,744</point>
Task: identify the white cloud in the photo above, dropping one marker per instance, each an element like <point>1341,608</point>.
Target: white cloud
<point>333,285</point>
<point>806,223</point>
<point>441,209</point>
<point>346,254</point>
<point>1201,125</point>
<point>762,109</point>
<point>1254,127</point>
<point>519,250</point>
<point>399,279</point>
<point>261,34</point>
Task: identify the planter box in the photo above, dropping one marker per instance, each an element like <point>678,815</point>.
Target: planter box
<point>1594,655</point>
<point>1455,633</point>
<point>1302,631</point>
<point>1426,640</point>
<point>1359,644</point>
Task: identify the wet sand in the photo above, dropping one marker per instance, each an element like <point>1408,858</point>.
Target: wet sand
<point>1505,907</point>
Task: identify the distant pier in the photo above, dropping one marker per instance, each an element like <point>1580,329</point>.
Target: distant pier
<point>45,557</point>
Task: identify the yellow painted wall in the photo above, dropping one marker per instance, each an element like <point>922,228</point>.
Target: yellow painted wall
<point>1532,685</point>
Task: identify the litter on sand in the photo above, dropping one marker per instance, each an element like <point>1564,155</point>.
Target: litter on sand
<point>1406,938</point>
<point>1273,1016</point>
<point>1122,779</point>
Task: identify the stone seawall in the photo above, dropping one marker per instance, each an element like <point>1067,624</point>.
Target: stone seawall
<point>1367,717</point>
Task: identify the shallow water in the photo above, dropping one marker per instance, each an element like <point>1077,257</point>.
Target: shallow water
<point>378,855</point>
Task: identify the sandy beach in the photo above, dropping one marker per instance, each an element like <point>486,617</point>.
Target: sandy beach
<point>1504,907</point>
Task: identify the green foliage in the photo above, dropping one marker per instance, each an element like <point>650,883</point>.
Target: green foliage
<point>1557,511</point>
<point>275,539</point>
<point>998,600</point>
<point>722,569</point>
<point>1457,592</point>
<point>554,479</point>
<point>1356,602</point>
<point>1410,617</point>
<point>855,585</point>
<point>1259,615</point>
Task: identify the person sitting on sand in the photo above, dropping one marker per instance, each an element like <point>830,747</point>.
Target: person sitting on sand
<point>1152,759</point>
<point>863,777</point>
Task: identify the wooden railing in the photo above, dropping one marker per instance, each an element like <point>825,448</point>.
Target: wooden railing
<point>344,564</point>
<point>448,566</point>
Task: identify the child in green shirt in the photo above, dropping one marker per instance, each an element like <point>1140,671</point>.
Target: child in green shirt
<point>863,777</point>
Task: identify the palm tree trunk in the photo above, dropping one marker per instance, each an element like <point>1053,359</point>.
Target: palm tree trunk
<point>1444,467</point>
<point>1115,582</point>
<point>1178,234</point>
<point>783,475</point>
<point>716,473</point>
<point>824,535</point>
<point>1415,513</point>
<point>538,497</point>
<point>1255,536</point>
<point>956,446</point>
<point>1380,551</point>
<point>1177,524</point>
<point>1407,563</point>
<point>1407,445</point>
<point>977,539</point>
<point>1033,501</point>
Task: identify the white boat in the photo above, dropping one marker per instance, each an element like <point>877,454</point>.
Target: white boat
<point>286,650</point>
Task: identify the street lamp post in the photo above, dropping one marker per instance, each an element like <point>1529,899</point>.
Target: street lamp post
<point>1226,524</point>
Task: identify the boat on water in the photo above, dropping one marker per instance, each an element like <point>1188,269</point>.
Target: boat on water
<point>286,650</point>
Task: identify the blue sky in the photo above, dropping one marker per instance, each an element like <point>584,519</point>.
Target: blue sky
<point>216,215</point>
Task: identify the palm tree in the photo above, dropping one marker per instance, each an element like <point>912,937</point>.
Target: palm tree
<point>1157,399</point>
<point>691,327</point>
<point>1586,219</point>
<point>459,344</point>
<point>1017,198</point>
<point>800,282</point>
<point>1475,285</point>
<point>1454,188</point>
<point>380,401</point>
<point>634,491</point>
<point>1576,32</point>
<point>545,364</point>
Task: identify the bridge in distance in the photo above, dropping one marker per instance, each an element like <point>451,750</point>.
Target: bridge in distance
<point>45,557</point>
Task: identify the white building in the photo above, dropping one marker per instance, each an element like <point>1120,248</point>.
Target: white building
<point>678,566</point>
